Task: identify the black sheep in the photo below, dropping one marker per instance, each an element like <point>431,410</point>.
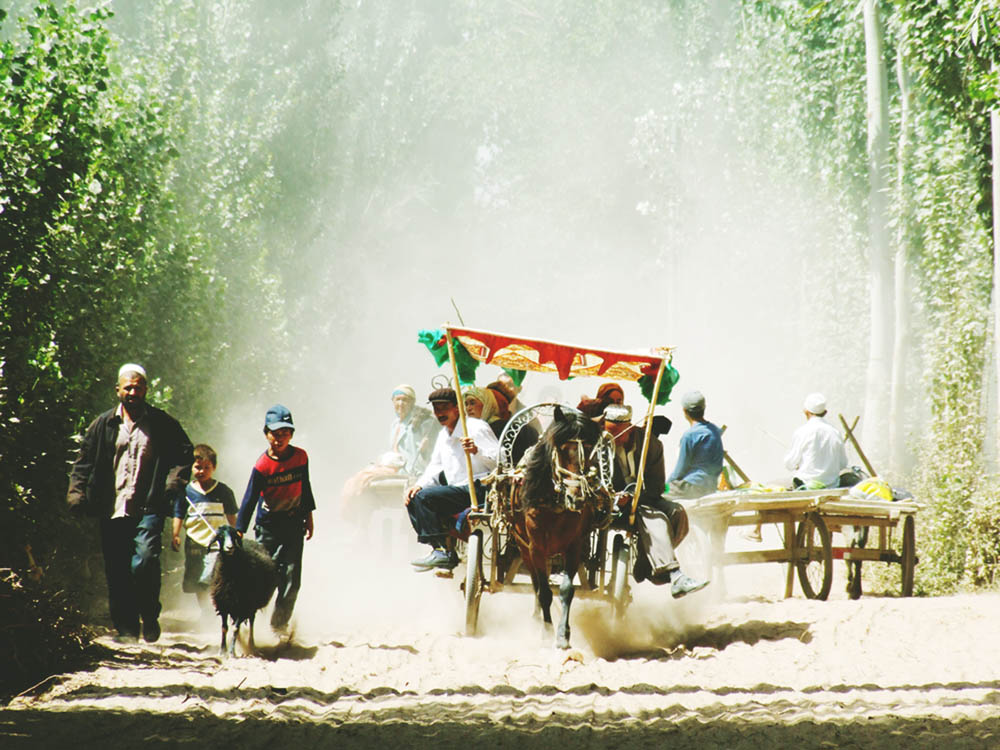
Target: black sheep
<point>244,580</point>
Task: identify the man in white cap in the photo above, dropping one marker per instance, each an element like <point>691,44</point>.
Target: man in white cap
<point>134,461</point>
<point>817,455</point>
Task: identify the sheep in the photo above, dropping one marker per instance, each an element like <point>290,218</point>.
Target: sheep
<point>243,581</point>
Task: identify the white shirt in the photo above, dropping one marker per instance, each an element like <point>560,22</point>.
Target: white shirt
<point>817,453</point>
<point>449,456</point>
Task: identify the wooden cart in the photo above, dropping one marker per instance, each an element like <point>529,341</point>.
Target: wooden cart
<point>806,519</point>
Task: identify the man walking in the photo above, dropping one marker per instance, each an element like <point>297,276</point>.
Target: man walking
<point>134,461</point>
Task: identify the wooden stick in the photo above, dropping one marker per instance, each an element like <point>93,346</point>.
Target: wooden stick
<point>645,440</point>
<point>736,468</point>
<point>853,425</point>
<point>854,442</point>
<point>725,455</point>
<point>473,500</point>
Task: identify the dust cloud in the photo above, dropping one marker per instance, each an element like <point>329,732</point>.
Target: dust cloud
<point>639,218</point>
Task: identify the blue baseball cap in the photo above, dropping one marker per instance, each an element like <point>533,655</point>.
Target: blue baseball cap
<point>277,417</point>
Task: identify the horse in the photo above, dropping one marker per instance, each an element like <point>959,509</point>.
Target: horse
<point>559,496</point>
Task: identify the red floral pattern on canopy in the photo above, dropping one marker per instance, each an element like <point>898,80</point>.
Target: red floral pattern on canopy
<point>567,360</point>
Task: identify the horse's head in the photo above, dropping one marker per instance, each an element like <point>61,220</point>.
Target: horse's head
<point>565,460</point>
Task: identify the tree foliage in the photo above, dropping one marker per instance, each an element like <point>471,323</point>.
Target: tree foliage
<point>184,182</point>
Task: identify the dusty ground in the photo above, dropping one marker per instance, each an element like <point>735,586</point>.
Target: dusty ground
<point>377,659</point>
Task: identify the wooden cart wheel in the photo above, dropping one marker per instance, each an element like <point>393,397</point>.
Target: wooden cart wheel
<point>908,559</point>
<point>619,575</point>
<point>473,582</point>
<point>814,557</point>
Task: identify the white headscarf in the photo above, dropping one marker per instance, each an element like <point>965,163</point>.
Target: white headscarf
<point>485,397</point>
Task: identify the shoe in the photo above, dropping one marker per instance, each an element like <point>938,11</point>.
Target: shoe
<point>683,584</point>
<point>151,631</point>
<point>436,559</point>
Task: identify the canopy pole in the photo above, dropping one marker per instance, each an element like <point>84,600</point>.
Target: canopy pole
<point>647,434</point>
<point>473,500</point>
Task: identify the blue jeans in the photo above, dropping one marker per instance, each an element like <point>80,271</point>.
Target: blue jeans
<point>432,509</point>
<point>131,548</point>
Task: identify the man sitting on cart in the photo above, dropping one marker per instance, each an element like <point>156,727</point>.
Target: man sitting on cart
<point>817,455</point>
<point>443,488</point>
<point>661,524</point>
<point>699,461</point>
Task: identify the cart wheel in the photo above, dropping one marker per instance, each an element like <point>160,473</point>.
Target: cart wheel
<point>815,564</point>
<point>620,595</point>
<point>473,582</point>
<point>909,555</point>
<point>854,566</point>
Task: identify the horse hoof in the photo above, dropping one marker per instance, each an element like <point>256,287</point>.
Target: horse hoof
<point>562,643</point>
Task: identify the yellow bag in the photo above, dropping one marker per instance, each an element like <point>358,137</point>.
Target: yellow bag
<point>871,489</point>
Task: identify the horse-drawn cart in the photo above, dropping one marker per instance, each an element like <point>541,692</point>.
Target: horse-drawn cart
<point>500,544</point>
<point>493,560</point>
<point>806,520</point>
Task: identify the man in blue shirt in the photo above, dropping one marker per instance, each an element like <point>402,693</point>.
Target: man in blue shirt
<point>699,462</point>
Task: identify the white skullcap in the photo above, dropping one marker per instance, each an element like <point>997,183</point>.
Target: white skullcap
<point>693,400</point>
<point>815,403</point>
<point>131,367</point>
<point>618,413</point>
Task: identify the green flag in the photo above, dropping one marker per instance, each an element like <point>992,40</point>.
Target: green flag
<point>435,341</point>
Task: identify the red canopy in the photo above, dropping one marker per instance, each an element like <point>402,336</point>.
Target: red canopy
<point>567,360</point>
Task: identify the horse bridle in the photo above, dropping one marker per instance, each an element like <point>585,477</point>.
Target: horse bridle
<point>572,488</point>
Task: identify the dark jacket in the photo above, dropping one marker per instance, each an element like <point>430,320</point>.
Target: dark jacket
<point>92,478</point>
<point>654,477</point>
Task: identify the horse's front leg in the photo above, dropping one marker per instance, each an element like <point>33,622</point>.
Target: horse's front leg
<point>543,595</point>
<point>566,592</point>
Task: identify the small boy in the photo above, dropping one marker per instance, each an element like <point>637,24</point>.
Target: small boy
<point>206,505</point>
<point>279,485</point>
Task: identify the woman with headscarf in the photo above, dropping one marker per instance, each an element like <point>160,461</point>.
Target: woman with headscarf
<point>412,433</point>
<point>411,439</point>
<point>481,403</point>
<point>610,393</point>
<point>527,436</point>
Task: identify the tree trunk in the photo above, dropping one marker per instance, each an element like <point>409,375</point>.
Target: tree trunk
<point>902,339</point>
<point>876,412</point>
<point>995,137</point>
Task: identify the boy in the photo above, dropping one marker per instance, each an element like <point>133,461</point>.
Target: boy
<point>206,505</point>
<point>279,485</point>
